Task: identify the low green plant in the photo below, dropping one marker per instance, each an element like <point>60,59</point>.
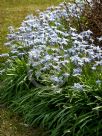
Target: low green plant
<point>63,111</point>
<point>15,80</point>
<point>71,103</point>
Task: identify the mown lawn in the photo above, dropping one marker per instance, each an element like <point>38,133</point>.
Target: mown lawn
<point>13,12</point>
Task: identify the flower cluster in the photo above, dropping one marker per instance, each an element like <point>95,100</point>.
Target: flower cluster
<point>52,48</point>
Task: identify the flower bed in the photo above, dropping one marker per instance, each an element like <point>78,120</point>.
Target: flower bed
<point>53,75</point>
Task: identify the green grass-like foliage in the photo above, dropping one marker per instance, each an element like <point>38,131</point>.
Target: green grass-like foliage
<point>62,110</point>
<point>15,80</point>
<point>73,108</point>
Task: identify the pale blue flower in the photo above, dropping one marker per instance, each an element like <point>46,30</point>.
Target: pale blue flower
<point>78,86</point>
<point>4,55</point>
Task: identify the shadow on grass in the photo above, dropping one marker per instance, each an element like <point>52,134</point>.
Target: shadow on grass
<point>12,125</point>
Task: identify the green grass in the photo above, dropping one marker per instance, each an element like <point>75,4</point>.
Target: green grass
<point>13,12</point>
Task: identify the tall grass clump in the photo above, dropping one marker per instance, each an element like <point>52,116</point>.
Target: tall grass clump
<point>53,76</point>
<point>63,111</point>
<point>14,80</point>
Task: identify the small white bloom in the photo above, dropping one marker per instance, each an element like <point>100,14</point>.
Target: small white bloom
<point>98,81</point>
<point>77,86</point>
<point>4,55</point>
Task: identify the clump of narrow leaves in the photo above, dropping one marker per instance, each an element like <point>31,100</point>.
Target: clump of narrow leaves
<point>53,74</point>
<point>15,80</point>
<point>63,111</point>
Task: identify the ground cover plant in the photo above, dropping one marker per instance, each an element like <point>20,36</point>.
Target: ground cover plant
<point>53,74</point>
